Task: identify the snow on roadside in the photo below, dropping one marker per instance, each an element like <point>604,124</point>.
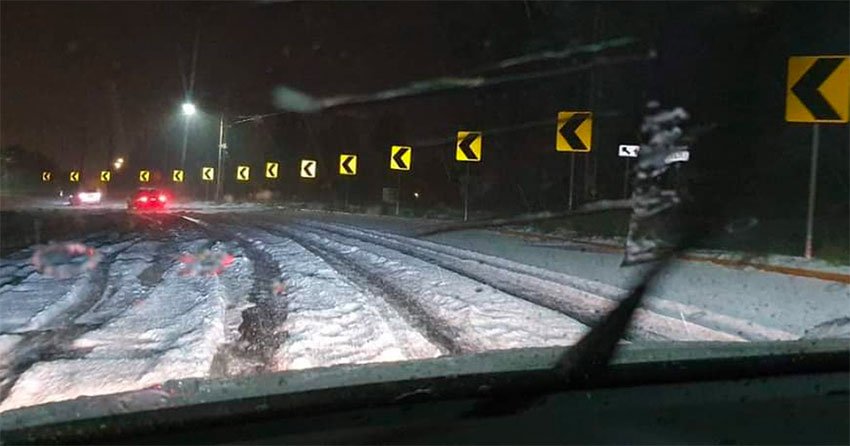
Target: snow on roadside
<point>483,317</point>
<point>173,333</point>
<point>331,321</point>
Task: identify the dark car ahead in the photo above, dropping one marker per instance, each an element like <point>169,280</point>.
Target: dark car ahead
<point>148,199</point>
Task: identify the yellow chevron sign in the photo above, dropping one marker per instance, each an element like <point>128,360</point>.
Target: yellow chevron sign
<point>272,168</point>
<point>347,164</point>
<point>818,89</point>
<point>400,157</point>
<point>243,173</point>
<point>574,131</point>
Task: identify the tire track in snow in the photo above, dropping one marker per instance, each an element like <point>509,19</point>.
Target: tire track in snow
<point>331,320</point>
<point>259,339</point>
<point>173,333</point>
<point>42,345</point>
<point>404,302</point>
<point>699,316</point>
<point>695,317</point>
<point>54,339</point>
<point>479,317</point>
<point>587,308</point>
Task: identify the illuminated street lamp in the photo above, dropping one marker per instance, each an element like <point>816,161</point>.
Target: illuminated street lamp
<point>189,109</point>
<point>118,163</point>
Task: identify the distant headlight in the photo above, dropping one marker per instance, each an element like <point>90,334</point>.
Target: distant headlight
<point>89,197</point>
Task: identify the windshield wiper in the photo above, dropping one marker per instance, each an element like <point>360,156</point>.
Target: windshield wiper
<point>654,207</point>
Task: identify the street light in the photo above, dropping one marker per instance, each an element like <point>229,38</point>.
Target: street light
<point>118,163</point>
<point>189,109</point>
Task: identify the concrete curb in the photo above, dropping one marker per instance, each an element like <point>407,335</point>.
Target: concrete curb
<point>694,257</point>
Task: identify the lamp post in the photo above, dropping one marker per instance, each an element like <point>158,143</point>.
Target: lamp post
<point>189,110</point>
<point>221,146</point>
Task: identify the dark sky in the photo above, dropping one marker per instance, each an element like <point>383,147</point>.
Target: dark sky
<point>70,67</point>
<point>83,82</point>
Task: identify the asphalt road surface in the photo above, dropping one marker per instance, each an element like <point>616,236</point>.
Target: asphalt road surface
<point>300,289</point>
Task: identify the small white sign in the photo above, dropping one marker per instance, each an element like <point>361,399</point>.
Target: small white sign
<point>678,157</point>
<point>629,150</point>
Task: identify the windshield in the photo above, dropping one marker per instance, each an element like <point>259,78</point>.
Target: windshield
<point>278,186</point>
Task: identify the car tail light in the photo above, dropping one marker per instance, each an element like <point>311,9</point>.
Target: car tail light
<point>143,198</point>
<point>162,197</point>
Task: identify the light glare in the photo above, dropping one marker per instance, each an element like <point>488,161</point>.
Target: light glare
<point>189,109</point>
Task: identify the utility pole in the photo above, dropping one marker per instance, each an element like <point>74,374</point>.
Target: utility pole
<point>221,146</point>
<point>185,143</point>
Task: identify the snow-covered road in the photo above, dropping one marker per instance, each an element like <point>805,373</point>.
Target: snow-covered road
<point>298,294</point>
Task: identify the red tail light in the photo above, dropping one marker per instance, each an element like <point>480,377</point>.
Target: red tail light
<point>162,197</point>
<point>143,198</point>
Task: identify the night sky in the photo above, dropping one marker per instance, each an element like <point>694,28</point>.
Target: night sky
<point>85,82</point>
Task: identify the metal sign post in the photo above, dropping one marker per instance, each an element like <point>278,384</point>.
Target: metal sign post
<point>398,195</point>
<point>466,196</point>
<point>347,188</point>
<point>572,174</point>
<point>627,151</point>
<point>468,149</point>
<point>817,91</point>
<point>573,133</point>
<point>813,184</point>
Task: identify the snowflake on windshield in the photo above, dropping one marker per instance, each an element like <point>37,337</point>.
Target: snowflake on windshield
<point>205,263</point>
<point>65,260</point>
<point>653,226</point>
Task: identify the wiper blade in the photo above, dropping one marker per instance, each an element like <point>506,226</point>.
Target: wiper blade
<point>652,203</point>
<point>594,351</point>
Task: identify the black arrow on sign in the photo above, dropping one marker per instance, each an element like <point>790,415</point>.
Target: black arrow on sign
<point>397,157</point>
<point>307,169</point>
<point>807,88</point>
<point>568,131</point>
<point>345,164</point>
<point>208,174</point>
<point>270,170</point>
<point>242,173</point>
<point>465,148</point>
